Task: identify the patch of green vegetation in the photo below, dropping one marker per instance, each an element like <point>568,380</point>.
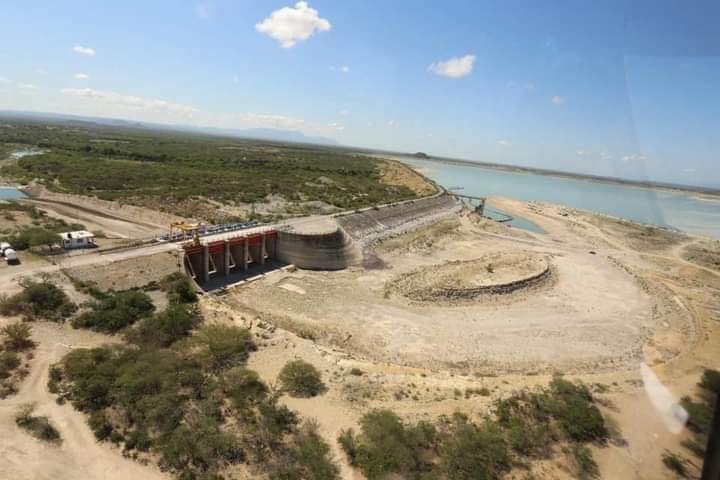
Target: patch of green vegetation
<point>163,169</point>
<point>301,379</point>
<point>193,402</point>
<point>115,311</point>
<point>675,463</point>
<point>17,336</point>
<point>700,412</point>
<point>38,427</point>
<point>43,232</point>
<point>164,328</point>
<point>524,426</point>
<point>178,288</point>
<point>583,463</point>
<point>38,300</point>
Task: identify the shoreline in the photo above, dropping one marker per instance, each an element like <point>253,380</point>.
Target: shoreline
<point>702,193</point>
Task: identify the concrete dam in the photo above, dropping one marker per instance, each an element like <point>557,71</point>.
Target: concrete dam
<point>325,243</point>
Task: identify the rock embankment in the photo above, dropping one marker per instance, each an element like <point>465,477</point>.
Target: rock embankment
<point>492,274</point>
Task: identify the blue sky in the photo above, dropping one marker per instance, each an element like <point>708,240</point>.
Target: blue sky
<point>611,88</point>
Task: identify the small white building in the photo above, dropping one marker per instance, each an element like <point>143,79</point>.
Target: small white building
<point>78,239</point>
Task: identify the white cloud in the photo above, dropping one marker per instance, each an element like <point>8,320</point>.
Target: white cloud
<point>290,25</point>
<point>582,152</point>
<point>635,157</point>
<point>336,126</point>
<point>5,81</point>
<point>81,76</point>
<point>235,79</point>
<point>391,123</point>
<point>84,50</point>
<point>344,113</point>
<point>345,69</point>
<point>605,156</point>
<point>454,67</point>
<point>40,71</point>
<point>27,86</point>
<point>557,100</point>
<point>202,11</point>
<point>689,170</point>
<point>504,143</point>
<point>128,101</point>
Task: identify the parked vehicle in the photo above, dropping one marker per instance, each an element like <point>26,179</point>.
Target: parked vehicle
<point>4,246</point>
<point>11,256</point>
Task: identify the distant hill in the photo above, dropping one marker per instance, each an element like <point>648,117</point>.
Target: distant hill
<point>270,134</point>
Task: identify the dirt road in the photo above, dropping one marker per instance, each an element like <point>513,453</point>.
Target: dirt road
<point>79,455</point>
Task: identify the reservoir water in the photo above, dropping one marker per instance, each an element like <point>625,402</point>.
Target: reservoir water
<point>687,211</point>
<point>10,193</point>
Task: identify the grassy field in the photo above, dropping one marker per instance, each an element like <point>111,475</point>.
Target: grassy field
<point>164,169</point>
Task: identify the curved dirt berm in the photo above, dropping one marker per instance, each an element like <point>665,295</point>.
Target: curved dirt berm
<point>493,274</point>
<point>328,250</point>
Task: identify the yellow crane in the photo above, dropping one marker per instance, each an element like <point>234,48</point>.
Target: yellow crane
<point>185,228</point>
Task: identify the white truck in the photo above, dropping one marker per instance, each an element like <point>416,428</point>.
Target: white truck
<point>4,246</point>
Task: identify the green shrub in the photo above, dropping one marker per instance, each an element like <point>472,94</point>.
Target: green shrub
<point>710,381</point>
<point>115,312</point>
<point>308,458</point>
<point>572,406</point>
<point>301,379</point>
<point>699,415</point>
<point>675,463</point>
<point>38,427</point>
<point>223,346</point>
<point>9,361</point>
<point>243,387</point>
<point>584,464</point>
<point>475,452</point>
<point>179,289</point>
<point>349,444</point>
<point>39,300</point>
<point>164,328</point>
<point>17,336</point>
<point>384,448</point>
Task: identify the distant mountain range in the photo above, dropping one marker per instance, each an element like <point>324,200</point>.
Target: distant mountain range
<point>270,134</point>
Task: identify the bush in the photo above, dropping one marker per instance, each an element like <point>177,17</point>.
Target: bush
<point>39,300</point>
<point>584,464</point>
<point>711,381</point>
<point>17,336</point>
<point>475,452</point>
<point>349,443</point>
<point>308,457</point>
<point>301,379</point>
<point>9,361</point>
<point>223,346</point>
<point>115,312</point>
<point>675,463</point>
<point>572,406</point>
<point>38,427</point>
<point>244,387</point>
<point>384,448</point>
<point>164,328</point>
<point>178,288</point>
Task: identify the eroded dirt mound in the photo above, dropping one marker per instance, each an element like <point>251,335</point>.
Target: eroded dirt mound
<point>492,274</point>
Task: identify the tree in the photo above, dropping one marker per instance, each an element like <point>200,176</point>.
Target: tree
<point>223,346</point>
<point>301,379</point>
<point>17,336</point>
<point>41,236</point>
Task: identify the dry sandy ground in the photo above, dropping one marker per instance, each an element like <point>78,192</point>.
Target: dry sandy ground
<point>623,299</point>
<point>637,300</point>
<point>79,455</point>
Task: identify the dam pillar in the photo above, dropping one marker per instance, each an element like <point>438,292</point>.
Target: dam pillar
<point>205,273</point>
<point>263,249</point>
<point>227,258</point>
<point>246,254</point>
